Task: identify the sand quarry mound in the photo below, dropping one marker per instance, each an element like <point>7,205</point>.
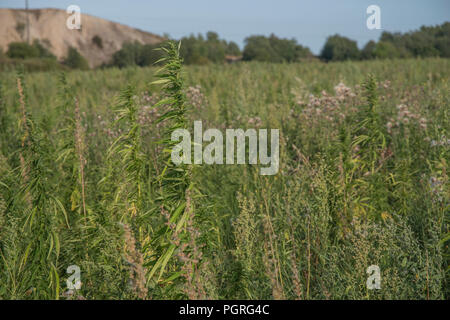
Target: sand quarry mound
<point>49,26</point>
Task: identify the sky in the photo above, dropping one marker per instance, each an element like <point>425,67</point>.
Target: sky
<point>310,22</point>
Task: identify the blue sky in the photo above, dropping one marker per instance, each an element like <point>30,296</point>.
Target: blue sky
<point>308,21</point>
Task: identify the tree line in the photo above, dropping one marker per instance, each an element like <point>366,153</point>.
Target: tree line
<point>426,42</point>
<point>39,58</point>
<point>433,41</point>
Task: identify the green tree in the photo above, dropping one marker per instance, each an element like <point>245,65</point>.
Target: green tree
<point>149,55</point>
<point>136,54</point>
<point>43,51</point>
<point>258,48</point>
<point>233,49</point>
<point>386,50</point>
<point>128,55</point>
<point>97,40</point>
<point>215,47</point>
<point>201,50</point>
<point>426,42</point>
<point>338,48</point>
<point>442,43</point>
<point>368,51</point>
<point>274,49</point>
<point>22,50</point>
<point>75,60</point>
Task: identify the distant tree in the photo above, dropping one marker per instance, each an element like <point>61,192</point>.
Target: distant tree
<point>258,48</point>
<point>215,48</point>
<point>212,36</point>
<point>210,49</point>
<point>443,46</point>
<point>338,48</point>
<point>274,49</point>
<point>136,54</point>
<point>233,49</point>
<point>149,55</point>
<point>43,51</point>
<point>425,42</point>
<point>285,50</point>
<point>382,50</point>
<point>128,55</point>
<point>442,42</point>
<point>97,40</point>
<point>22,50</point>
<point>422,43</point>
<point>386,50</point>
<point>20,28</point>
<point>368,51</point>
<point>199,49</point>
<point>75,60</point>
<point>194,50</point>
<point>303,53</point>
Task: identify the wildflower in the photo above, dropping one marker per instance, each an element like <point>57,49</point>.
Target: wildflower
<point>423,123</point>
<point>389,126</point>
<point>195,97</point>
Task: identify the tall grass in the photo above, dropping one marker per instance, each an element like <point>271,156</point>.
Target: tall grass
<point>86,179</point>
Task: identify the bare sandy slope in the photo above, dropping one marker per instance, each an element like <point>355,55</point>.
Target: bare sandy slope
<point>49,26</point>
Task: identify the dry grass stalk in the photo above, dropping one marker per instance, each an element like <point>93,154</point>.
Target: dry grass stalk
<point>79,146</point>
<point>191,268</point>
<point>24,139</point>
<point>136,261</point>
<point>271,262</point>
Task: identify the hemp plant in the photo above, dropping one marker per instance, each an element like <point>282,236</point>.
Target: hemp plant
<point>172,185</point>
<point>40,212</point>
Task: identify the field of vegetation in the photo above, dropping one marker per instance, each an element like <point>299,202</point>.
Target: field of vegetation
<point>86,179</point>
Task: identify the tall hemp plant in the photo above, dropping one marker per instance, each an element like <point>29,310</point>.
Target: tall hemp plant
<point>173,186</point>
<point>128,200</point>
<point>370,141</point>
<point>71,151</point>
<point>40,212</point>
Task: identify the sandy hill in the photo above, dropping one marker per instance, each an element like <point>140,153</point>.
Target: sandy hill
<point>49,26</point>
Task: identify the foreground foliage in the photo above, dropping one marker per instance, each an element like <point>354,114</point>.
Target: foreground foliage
<point>86,179</point>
